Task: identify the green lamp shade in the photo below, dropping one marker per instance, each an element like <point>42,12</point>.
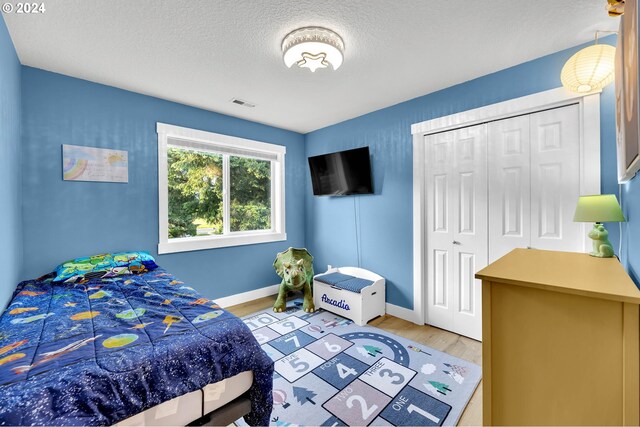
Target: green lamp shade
<point>601,208</point>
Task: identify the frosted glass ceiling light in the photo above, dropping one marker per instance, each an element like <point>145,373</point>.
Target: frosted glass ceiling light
<point>313,48</point>
<point>591,68</point>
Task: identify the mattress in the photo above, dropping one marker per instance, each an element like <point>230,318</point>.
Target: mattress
<point>189,407</point>
<point>102,351</point>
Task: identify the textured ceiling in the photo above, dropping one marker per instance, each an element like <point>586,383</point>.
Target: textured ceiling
<point>205,52</point>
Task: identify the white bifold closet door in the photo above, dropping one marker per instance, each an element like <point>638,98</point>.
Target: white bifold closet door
<point>510,186</point>
<point>491,188</point>
<point>534,182</point>
<point>555,179</point>
<point>457,224</point>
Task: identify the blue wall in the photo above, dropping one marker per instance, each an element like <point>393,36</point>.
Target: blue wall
<point>67,219</point>
<point>631,229</point>
<point>385,218</point>
<point>63,220</point>
<point>10,171</point>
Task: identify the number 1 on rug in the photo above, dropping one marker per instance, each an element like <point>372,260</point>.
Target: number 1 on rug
<point>424,413</point>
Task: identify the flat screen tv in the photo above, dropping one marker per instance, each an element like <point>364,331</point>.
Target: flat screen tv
<point>342,173</point>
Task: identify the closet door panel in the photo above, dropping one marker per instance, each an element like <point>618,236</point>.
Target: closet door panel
<point>492,188</point>
<point>555,179</point>
<point>509,186</point>
<point>470,232</point>
<point>439,184</point>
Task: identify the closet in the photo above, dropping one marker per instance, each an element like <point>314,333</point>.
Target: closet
<point>490,188</point>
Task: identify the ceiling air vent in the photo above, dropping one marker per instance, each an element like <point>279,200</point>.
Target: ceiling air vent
<point>242,102</point>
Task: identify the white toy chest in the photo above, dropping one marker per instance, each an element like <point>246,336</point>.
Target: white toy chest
<point>351,292</point>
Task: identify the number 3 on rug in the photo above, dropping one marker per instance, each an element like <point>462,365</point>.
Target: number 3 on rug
<point>388,373</point>
<point>366,411</point>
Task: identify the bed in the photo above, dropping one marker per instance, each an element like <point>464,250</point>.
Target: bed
<point>143,349</point>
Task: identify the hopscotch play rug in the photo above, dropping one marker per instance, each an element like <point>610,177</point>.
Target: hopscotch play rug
<point>330,371</point>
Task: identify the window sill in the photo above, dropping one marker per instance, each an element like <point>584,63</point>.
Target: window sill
<point>200,243</point>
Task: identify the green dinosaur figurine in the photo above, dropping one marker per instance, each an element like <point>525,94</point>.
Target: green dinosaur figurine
<point>601,245</point>
<point>295,266</point>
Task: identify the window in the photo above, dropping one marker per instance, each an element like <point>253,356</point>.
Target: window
<point>217,190</point>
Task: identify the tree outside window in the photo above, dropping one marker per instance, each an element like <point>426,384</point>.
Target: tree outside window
<point>196,189</point>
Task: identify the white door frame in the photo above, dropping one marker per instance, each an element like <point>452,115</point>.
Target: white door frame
<point>589,106</point>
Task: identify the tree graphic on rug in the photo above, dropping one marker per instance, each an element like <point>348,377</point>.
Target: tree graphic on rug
<point>437,387</point>
<point>457,372</point>
<point>369,351</point>
<point>303,395</point>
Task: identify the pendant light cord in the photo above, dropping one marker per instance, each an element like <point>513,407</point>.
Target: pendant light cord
<point>604,31</point>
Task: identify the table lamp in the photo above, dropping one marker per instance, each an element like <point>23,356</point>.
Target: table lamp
<point>599,209</point>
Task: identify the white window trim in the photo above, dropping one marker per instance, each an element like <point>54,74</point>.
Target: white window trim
<point>237,238</point>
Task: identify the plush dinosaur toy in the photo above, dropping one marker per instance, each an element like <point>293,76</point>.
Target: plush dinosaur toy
<point>601,245</point>
<point>295,266</point>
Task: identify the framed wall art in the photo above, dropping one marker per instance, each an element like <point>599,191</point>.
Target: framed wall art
<point>94,164</point>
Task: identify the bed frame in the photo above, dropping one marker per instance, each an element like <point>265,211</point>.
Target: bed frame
<point>219,403</point>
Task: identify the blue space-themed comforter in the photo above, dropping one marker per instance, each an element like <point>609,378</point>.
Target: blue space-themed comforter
<point>99,352</point>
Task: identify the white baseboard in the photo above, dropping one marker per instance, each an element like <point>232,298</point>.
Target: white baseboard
<point>247,296</point>
<point>393,310</point>
<point>402,313</point>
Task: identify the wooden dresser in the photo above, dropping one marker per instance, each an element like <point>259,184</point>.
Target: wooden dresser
<point>561,340</point>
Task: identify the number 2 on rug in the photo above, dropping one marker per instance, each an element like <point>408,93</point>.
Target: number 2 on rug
<point>366,411</point>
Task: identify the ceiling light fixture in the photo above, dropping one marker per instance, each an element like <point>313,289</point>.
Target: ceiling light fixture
<point>590,69</point>
<point>313,48</point>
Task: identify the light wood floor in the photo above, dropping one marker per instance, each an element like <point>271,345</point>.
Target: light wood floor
<point>448,342</point>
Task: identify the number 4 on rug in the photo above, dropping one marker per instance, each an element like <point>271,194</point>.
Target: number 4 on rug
<point>345,371</point>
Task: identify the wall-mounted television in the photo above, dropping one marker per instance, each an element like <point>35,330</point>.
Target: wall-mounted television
<point>342,173</point>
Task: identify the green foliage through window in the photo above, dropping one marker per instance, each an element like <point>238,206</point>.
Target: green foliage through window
<point>196,202</point>
<point>250,194</point>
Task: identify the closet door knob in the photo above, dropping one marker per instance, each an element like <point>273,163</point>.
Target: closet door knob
<point>455,242</point>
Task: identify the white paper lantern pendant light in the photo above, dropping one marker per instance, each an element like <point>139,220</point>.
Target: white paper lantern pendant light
<point>590,69</point>
<point>313,48</point>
